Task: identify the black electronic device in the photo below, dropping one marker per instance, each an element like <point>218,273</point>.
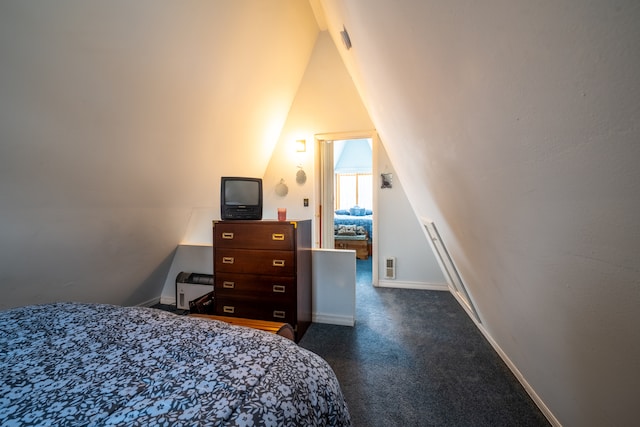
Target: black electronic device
<point>240,198</point>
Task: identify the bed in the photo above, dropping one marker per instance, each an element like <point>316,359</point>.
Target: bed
<point>352,230</point>
<point>364,221</point>
<point>95,364</point>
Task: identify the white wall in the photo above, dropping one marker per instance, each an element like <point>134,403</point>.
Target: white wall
<point>190,259</point>
<point>514,126</point>
<point>325,85</point>
<point>334,287</point>
<point>327,102</point>
<point>400,235</point>
<point>117,119</point>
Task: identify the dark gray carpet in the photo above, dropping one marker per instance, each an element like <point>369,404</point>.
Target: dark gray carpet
<point>414,358</point>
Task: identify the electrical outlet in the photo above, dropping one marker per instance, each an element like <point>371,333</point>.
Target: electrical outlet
<point>305,202</point>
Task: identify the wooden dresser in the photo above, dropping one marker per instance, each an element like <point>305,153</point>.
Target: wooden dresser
<point>262,270</point>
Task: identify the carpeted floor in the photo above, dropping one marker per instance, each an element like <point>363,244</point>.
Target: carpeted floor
<point>414,358</point>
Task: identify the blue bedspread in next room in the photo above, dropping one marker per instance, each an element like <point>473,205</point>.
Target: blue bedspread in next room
<point>365,221</point>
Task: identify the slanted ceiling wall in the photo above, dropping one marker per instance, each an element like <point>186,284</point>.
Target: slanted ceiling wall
<point>514,125</point>
<point>117,119</point>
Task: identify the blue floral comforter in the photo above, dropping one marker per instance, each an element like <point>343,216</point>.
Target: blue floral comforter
<point>85,364</point>
<point>364,221</point>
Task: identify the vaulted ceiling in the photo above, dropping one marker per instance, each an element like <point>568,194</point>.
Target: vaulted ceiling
<point>512,125</point>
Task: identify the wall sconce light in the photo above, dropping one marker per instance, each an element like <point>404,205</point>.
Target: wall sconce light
<point>301,145</point>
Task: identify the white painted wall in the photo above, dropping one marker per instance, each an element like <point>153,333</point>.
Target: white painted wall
<point>117,119</point>
<point>325,84</point>
<point>327,102</point>
<point>190,259</point>
<point>400,235</point>
<point>334,287</point>
<point>514,126</point>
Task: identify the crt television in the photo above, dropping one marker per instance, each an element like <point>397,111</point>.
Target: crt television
<point>240,198</point>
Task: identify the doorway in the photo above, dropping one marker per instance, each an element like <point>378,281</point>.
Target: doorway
<point>347,204</point>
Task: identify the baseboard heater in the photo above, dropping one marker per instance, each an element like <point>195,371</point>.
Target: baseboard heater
<point>190,286</point>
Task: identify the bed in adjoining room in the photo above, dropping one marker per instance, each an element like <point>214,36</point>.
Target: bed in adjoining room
<point>96,364</point>
<point>353,230</point>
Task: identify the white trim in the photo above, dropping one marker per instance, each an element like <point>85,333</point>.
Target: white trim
<point>168,300</point>
<point>151,302</point>
<point>455,288</point>
<point>356,134</point>
<point>321,139</point>
<point>326,192</point>
<point>333,319</point>
<point>532,393</point>
<point>448,267</point>
<point>413,285</point>
<point>375,251</point>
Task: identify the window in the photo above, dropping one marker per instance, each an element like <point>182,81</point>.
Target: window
<point>354,189</point>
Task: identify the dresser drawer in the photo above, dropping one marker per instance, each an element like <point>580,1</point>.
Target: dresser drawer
<point>277,312</point>
<point>262,270</point>
<point>252,286</point>
<point>274,263</point>
<point>246,236</point>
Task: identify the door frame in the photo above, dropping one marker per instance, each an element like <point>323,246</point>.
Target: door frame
<point>325,198</point>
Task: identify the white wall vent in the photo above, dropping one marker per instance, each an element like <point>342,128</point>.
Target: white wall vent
<point>390,268</point>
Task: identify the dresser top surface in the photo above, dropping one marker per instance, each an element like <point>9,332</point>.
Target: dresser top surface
<point>262,221</point>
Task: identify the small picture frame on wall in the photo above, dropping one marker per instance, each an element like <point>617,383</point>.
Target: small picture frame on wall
<point>387,179</point>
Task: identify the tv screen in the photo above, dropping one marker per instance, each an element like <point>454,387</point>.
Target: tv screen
<point>242,192</point>
<point>241,198</point>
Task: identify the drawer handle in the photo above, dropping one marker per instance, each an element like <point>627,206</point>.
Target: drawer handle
<point>278,263</point>
<point>279,288</point>
<point>229,309</point>
<point>277,236</point>
<point>228,235</point>
<point>227,260</point>
<point>228,285</point>
<point>278,314</point>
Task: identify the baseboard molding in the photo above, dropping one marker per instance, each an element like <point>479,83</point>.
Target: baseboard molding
<point>332,319</point>
<point>168,300</point>
<point>149,303</point>
<point>516,372</point>
<point>413,285</point>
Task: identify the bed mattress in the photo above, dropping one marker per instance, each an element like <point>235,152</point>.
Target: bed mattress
<point>91,364</point>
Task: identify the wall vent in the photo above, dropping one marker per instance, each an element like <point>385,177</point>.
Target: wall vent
<point>390,268</point>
